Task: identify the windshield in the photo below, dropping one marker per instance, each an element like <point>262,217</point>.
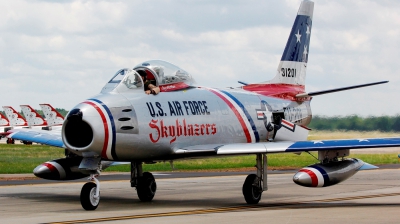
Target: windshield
<point>118,76</point>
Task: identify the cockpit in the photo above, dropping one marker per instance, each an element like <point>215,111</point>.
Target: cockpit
<point>166,76</point>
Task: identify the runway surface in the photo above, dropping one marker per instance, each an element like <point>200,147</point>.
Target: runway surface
<point>368,197</point>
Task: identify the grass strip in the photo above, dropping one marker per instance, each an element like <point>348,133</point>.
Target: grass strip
<point>24,158</point>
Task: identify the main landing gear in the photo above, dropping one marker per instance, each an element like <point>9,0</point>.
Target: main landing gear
<point>146,186</point>
<point>255,184</point>
<point>145,183</point>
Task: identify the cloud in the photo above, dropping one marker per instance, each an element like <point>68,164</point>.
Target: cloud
<point>52,50</point>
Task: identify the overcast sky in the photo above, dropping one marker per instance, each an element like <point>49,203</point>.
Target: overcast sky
<point>63,52</point>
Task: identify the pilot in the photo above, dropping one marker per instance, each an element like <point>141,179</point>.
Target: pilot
<point>149,88</point>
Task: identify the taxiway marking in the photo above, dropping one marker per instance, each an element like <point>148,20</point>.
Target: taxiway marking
<point>274,206</point>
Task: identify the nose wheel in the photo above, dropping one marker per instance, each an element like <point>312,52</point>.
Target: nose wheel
<point>90,194</point>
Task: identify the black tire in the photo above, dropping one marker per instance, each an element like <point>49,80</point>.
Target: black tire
<point>251,192</point>
<point>88,201</point>
<point>146,188</point>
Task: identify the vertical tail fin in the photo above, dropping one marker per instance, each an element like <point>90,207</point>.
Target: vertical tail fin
<point>14,117</point>
<point>52,115</point>
<point>33,118</point>
<point>293,65</point>
<point>3,120</point>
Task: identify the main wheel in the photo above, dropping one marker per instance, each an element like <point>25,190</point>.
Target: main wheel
<point>88,201</point>
<point>251,190</point>
<point>146,188</point>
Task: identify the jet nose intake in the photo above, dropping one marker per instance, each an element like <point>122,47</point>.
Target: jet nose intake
<point>75,114</point>
<point>77,132</point>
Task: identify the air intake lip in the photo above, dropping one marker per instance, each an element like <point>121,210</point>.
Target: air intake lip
<point>75,114</point>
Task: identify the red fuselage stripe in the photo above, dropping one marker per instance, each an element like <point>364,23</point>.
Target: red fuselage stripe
<point>52,169</point>
<point>314,178</point>
<point>288,123</point>
<point>103,118</point>
<point>236,112</point>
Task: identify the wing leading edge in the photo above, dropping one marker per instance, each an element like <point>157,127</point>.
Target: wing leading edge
<point>52,138</point>
<point>288,146</point>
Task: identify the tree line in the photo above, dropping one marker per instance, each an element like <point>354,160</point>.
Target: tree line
<point>356,123</point>
<point>350,123</point>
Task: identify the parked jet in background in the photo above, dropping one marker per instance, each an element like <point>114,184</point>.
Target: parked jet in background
<point>53,117</point>
<point>16,120</point>
<point>4,121</point>
<point>3,124</point>
<point>122,123</point>
<point>32,117</point>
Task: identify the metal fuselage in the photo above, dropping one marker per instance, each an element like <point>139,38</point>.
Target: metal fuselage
<point>136,126</point>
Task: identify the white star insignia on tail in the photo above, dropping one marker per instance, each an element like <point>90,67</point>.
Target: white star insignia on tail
<point>298,35</point>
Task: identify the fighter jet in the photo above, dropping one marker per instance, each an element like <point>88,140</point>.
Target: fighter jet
<point>32,116</point>
<point>3,124</point>
<point>54,122</point>
<point>53,117</point>
<point>155,112</point>
<point>16,121</point>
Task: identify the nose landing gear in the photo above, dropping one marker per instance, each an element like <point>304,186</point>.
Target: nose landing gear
<point>90,193</point>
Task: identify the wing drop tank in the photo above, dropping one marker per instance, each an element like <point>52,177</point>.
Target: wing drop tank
<point>328,174</point>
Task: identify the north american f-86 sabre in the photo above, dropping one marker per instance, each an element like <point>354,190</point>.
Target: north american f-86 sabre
<point>176,119</point>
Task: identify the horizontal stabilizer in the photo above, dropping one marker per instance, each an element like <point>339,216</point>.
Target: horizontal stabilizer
<point>243,83</point>
<point>338,89</point>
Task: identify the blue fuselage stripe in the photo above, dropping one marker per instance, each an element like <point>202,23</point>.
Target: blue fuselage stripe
<point>253,126</point>
<point>113,153</point>
<point>324,174</point>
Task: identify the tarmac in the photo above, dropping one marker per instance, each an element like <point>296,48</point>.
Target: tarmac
<point>368,197</point>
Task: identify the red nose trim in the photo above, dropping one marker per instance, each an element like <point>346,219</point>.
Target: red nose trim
<point>103,118</point>
<point>314,178</point>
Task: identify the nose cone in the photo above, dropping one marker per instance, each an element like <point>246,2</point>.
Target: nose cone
<point>87,128</point>
<point>90,126</point>
<point>303,179</point>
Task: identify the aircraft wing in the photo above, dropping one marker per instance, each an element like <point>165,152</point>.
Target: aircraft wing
<point>289,146</point>
<point>45,137</point>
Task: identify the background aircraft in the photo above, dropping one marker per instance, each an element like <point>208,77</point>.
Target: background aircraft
<point>32,117</point>
<point>3,124</point>
<point>16,121</point>
<point>187,121</point>
<point>53,117</point>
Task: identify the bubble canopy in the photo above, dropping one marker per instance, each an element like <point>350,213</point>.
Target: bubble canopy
<point>164,72</point>
<point>166,76</point>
